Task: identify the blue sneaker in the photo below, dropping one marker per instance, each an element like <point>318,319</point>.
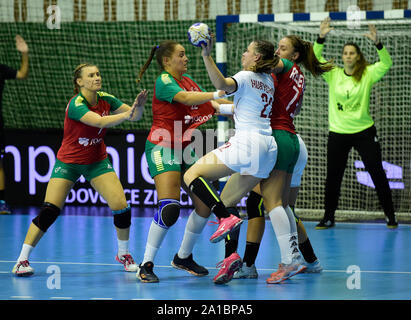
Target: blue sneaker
<point>314,267</point>
<point>4,208</point>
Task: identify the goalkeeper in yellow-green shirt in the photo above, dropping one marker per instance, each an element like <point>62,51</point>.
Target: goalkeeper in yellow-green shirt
<point>350,122</point>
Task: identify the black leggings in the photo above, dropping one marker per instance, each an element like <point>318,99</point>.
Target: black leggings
<point>367,145</point>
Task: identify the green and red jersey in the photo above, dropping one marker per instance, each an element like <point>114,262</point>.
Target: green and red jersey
<point>289,90</point>
<point>173,122</point>
<point>84,144</point>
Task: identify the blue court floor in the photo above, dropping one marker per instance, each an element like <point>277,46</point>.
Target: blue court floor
<point>75,261</point>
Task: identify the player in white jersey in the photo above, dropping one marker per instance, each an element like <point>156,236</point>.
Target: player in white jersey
<point>247,151</point>
<point>251,151</point>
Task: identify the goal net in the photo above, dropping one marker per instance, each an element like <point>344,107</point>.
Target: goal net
<point>119,49</point>
<point>389,107</point>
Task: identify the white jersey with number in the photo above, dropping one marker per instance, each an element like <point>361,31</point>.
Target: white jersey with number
<point>253,100</point>
<point>252,150</point>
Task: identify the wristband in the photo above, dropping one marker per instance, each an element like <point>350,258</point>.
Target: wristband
<point>216,96</point>
<point>226,108</point>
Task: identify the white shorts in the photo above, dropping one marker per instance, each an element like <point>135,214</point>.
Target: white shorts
<point>249,154</point>
<point>300,165</point>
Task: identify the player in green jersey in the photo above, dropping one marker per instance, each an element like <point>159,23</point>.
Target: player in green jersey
<point>83,152</point>
<point>350,122</point>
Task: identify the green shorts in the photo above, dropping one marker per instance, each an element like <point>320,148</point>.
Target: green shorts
<point>71,171</point>
<point>288,150</point>
<point>162,159</point>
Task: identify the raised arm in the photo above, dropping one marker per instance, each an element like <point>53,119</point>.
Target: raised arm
<point>22,47</point>
<point>218,80</point>
<point>380,68</point>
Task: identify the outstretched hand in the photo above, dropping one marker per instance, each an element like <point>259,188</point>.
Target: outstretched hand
<point>206,51</point>
<point>325,27</point>
<point>141,98</point>
<point>139,102</point>
<point>372,34</point>
<point>21,45</point>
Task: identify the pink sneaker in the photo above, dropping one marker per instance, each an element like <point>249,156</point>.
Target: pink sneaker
<point>225,226</point>
<point>228,267</point>
<point>127,261</point>
<point>285,272</point>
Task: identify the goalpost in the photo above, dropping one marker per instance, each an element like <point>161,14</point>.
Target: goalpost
<point>390,104</point>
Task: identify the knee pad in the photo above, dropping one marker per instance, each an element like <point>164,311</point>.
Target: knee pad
<point>48,214</point>
<point>122,218</point>
<point>254,205</point>
<point>167,213</point>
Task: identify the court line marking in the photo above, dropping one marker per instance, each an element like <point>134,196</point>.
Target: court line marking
<point>170,267</point>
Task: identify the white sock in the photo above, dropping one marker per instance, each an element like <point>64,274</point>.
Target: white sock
<point>155,237</point>
<point>194,227</point>
<point>294,234</point>
<point>25,252</point>
<point>291,218</point>
<point>282,229</point>
<point>122,247</point>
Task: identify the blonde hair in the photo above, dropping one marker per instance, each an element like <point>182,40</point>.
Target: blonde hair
<point>77,74</point>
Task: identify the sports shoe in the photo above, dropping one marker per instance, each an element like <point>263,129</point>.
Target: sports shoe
<point>246,272</point>
<point>145,273</point>
<point>127,261</point>
<point>225,226</point>
<point>189,265</point>
<point>285,272</point>
<point>325,224</point>
<point>313,267</point>
<point>227,268</point>
<point>23,269</point>
<point>392,223</point>
<point>4,208</point>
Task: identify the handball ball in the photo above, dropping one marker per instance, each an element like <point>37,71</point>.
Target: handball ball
<point>198,33</point>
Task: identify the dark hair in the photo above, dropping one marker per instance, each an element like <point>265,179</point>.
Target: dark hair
<point>307,56</point>
<point>268,59</point>
<point>165,49</point>
<point>361,64</point>
<point>77,74</point>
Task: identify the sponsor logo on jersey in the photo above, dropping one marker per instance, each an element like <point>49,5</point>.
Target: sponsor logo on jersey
<point>197,119</point>
<point>89,142</point>
<point>165,78</point>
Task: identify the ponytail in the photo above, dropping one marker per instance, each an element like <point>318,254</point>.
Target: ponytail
<point>147,64</point>
<point>165,49</point>
<point>308,58</point>
<point>269,59</point>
